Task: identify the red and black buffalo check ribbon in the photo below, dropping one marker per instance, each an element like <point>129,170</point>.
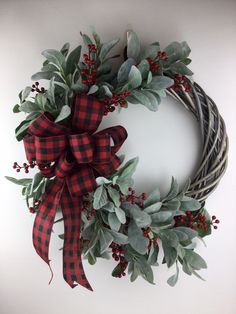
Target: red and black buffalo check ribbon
<point>72,157</point>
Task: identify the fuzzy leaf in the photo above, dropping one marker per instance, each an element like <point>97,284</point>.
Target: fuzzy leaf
<point>64,113</point>
<point>100,197</point>
<point>133,45</point>
<point>106,48</point>
<point>114,222</point>
<point>136,239</point>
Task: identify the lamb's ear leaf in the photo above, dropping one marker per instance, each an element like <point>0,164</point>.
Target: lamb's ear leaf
<point>133,45</point>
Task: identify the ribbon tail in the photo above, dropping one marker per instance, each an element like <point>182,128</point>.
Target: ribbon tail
<point>73,271</point>
<point>44,221</point>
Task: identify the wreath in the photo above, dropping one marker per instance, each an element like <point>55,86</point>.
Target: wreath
<point>80,176</point>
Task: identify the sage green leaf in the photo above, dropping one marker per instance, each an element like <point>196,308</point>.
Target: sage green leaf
<point>120,215</point>
<point>188,203</point>
<point>33,115</point>
<point>49,67</point>
<point>29,106</point>
<point>41,101</point>
<point>152,198</point>
<point>55,57</point>
<point>23,182</point>
<point>100,197</point>
<point>97,39</point>
<point>141,218</point>
<point>107,91</point>
<point>106,48</point>
<point>124,70</point>
<point>102,180</point>
<point>173,205</point>
<point>150,51</point>
<point>119,238</point>
<point>91,259</point>
<point>114,222</point>
<point>133,45</point>
<point>153,208</point>
<point>73,60</point>
<point>185,49</point>
<point>65,49</point>
<point>36,182</point>
<point>64,113</point>
<point>174,189</point>
<point>145,269</point>
<point>105,239</point>
<point>114,195</point>
<point>160,217</point>
<point>136,239</point>
<point>135,273</point>
<point>42,76</point>
<point>186,61</point>
<point>124,184</point>
<point>51,91</point>
<point>195,260</point>
<point>180,68</point>
<point>170,254</point>
<point>170,237</point>
<point>104,68</point>
<point>110,207</point>
<point>86,39</point>
<point>129,168</point>
<point>16,108</point>
<point>154,100</point>
<point>174,52</point>
<point>149,78</point>
<point>153,255</point>
<point>26,93</point>
<point>160,82</point>
<point>173,279</point>
<point>21,130</point>
<point>144,68</point>
<point>134,79</point>
<point>188,231</point>
<point>93,89</point>
<point>182,236</point>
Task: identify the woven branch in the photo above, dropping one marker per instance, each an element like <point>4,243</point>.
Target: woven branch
<point>213,162</point>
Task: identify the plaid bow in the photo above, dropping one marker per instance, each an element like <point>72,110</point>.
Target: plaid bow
<point>74,157</point>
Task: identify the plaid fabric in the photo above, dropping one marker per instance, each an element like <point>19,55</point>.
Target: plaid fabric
<point>74,157</point>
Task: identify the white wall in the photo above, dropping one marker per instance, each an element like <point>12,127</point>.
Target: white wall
<point>167,143</point>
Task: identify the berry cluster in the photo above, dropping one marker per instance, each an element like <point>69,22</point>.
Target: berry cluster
<point>36,88</point>
<point>25,166</point>
<point>181,83</point>
<point>116,100</point>
<point>215,222</point>
<point>134,199</point>
<point>89,72</point>
<point>87,207</point>
<point>152,239</point>
<point>118,255</point>
<point>35,206</point>
<point>195,222</point>
<point>155,65</point>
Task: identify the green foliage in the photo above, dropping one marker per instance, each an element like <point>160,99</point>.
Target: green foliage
<point>133,45</point>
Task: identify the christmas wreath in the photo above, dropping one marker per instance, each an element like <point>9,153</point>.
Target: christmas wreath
<point>81,177</point>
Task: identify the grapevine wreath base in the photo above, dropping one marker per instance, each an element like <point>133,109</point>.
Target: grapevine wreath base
<point>81,176</point>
